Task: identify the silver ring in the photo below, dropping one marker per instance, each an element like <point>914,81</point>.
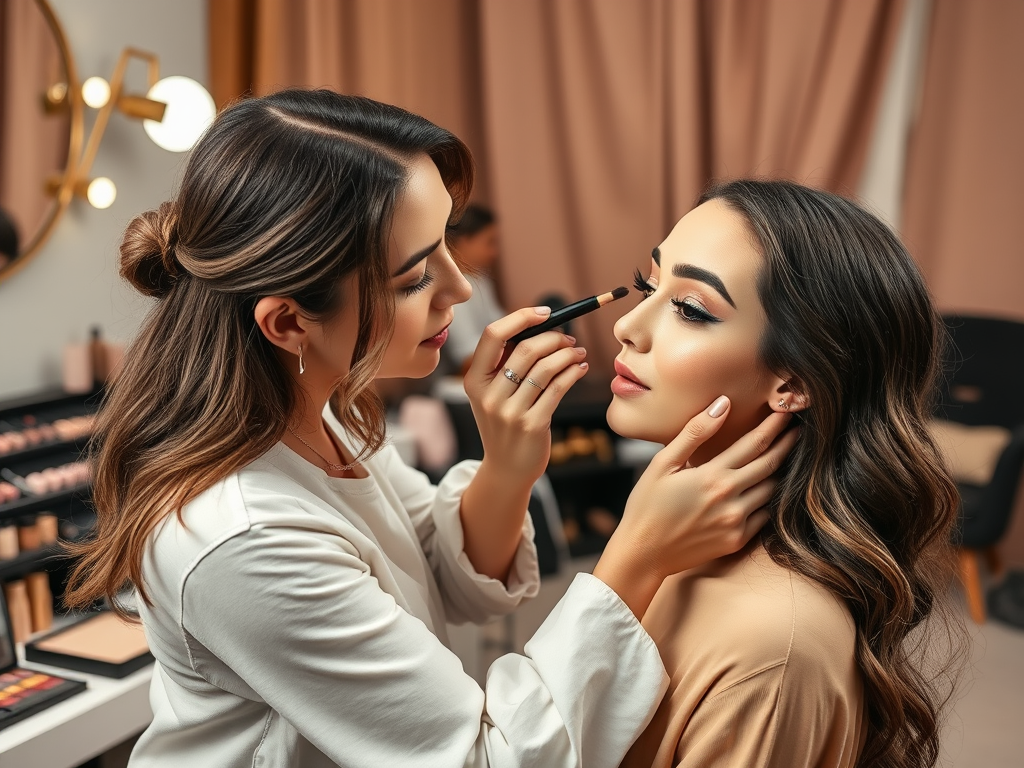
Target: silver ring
<point>512,376</point>
<point>531,381</point>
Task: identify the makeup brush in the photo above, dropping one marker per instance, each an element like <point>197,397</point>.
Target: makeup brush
<point>570,312</point>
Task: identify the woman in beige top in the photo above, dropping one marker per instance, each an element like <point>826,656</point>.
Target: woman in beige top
<point>793,653</point>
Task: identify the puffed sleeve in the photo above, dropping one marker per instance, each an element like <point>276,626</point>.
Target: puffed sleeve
<point>299,618</point>
<point>468,596</point>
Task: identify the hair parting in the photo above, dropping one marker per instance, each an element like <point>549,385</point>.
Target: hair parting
<point>287,195</point>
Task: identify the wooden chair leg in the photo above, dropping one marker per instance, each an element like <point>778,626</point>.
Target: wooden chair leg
<point>972,584</point>
<point>994,561</point>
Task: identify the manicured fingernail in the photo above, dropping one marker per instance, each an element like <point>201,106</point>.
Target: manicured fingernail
<point>543,311</point>
<point>718,407</point>
<point>579,350</point>
<point>584,366</point>
<point>572,339</point>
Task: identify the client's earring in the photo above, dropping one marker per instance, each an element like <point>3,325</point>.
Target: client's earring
<point>783,404</point>
<point>302,365</point>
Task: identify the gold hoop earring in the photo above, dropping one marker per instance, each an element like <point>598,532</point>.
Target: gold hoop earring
<point>302,365</point>
<point>783,404</point>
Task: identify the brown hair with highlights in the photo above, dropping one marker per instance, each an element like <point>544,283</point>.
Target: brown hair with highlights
<point>286,195</point>
<point>865,506</point>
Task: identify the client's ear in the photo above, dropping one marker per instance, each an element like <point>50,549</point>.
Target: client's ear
<point>788,395</point>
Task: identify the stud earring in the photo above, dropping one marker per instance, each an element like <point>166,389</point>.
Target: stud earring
<point>783,404</point>
<point>302,365</point>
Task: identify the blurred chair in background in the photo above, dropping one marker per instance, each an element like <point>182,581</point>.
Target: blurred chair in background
<point>980,425</point>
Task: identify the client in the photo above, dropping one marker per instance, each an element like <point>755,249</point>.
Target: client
<point>794,651</point>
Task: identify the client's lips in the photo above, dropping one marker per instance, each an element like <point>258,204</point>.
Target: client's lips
<point>626,383</point>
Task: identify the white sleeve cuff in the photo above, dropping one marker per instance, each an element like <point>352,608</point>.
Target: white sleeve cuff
<point>470,595</point>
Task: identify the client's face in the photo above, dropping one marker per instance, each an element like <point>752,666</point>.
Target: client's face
<point>695,336</point>
<point>426,281</point>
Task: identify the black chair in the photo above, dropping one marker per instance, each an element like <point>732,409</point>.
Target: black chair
<point>984,386</point>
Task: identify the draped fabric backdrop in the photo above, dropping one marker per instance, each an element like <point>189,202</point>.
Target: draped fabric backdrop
<point>964,200</point>
<point>596,123</point>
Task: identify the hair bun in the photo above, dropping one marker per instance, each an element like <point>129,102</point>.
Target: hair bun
<point>147,251</point>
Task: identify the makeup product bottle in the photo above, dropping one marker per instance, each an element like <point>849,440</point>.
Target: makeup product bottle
<point>17,605</point>
<point>40,600</point>
<point>97,357</point>
<point>8,540</point>
<point>46,523</point>
<point>77,368</point>
<point>28,534</point>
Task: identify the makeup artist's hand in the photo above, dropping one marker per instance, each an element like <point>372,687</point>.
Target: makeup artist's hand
<point>678,517</point>
<point>515,426</point>
<point>515,419</point>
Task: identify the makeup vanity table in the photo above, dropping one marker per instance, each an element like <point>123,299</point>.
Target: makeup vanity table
<point>67,734</point>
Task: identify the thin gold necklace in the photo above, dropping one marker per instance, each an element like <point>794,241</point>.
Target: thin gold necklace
<point>330,464</point>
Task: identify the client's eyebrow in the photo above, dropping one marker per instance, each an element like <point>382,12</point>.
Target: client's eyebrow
<point>688,271</point>
<point>416,258</point>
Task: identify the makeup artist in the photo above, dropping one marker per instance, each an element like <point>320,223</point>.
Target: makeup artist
<point>294,576</point>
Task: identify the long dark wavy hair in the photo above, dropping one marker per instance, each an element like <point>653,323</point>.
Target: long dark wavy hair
<point>285,195</point>
<point>865,506</point>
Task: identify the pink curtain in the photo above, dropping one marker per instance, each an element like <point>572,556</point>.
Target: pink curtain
<point>964,195</point>
<point>597,122</point>
<point>606,119</point>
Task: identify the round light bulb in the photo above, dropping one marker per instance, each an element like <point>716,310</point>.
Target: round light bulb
<point>101,192</point>
<point>190,109</point>
<point>96,92</point>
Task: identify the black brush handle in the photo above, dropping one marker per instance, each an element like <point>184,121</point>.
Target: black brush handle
<point>557,318</point>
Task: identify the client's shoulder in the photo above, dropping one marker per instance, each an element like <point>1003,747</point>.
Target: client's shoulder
<point>747,613</point>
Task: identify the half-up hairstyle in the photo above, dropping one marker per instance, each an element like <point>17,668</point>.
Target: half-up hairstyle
<point>285,195</point>
<point>865,505</point>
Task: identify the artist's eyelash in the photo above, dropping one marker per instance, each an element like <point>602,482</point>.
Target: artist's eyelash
<point>428,278</point>
<point>687,310</point>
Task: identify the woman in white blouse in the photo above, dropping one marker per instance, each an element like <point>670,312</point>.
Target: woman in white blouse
<point>295,577</point>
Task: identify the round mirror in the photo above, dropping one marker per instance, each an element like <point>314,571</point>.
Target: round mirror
<point>40,128</point>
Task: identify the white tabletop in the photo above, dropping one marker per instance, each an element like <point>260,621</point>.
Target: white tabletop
<point>108,712</point>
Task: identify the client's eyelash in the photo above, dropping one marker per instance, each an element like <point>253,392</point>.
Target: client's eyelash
<point>642,285</point>
<point>428,278</point>
<point>688,311</point>
<point>693,313</point>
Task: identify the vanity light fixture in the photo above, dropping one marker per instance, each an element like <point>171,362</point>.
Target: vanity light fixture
<point>174,112</point>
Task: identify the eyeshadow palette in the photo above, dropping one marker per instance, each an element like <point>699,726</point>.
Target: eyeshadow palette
<point>24,692</point>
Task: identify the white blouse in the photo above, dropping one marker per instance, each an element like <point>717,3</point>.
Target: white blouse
<point>299,620</point>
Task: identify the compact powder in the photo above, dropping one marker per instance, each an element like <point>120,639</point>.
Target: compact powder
<point>105,638</point>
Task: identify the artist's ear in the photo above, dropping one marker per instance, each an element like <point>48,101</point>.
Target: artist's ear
<point>282,324</point>
<point>788,395</point>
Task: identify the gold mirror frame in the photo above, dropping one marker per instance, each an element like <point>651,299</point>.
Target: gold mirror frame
<point>74,104</point>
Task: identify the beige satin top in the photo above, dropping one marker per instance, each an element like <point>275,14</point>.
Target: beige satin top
<point>762,671</point>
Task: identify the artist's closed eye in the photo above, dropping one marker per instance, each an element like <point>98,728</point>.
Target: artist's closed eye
<point>428,278</point>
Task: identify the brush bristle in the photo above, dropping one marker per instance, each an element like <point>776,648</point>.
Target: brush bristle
<point>620,293</point>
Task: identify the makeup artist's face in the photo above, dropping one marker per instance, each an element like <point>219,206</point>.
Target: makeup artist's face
<point>695,336</point>
<point>426,281</point>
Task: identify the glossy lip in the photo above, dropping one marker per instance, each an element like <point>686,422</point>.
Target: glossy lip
<point>438,338</point>
<point>624,372</point>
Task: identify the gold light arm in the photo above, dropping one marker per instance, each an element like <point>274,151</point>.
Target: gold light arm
<point>133,106</point>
